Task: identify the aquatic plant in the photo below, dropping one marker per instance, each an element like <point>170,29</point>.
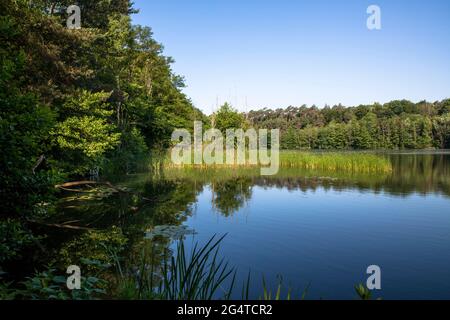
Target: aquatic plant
<point>332,161</point>
<point>277,296</point>
<point>199,276</point>
<point>195,275</point>
<point>356,162</point>
<point>364,293</point>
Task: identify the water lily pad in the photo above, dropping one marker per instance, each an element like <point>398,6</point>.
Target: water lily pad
<point>173,232</point>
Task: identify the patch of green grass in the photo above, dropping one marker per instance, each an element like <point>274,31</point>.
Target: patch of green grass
<point>344,162</point>
<point>357,162</point>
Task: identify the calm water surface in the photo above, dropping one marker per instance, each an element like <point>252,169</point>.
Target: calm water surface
<point>316,228</point>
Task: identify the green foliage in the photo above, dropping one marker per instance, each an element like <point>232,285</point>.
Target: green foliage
<point>363,293</point>
<point>13,239</point>
<point>85,103</point>
<point>51,285</point>
<point>25,123</point>
<point>228,118</point>
<point>101,97</point>
<point>394,125</point>
<point>444,107</point>
<point>90,136</point>
<point>85,140</point>
<point>96,90</point>
<point>195,275</point>
<point>93,246</point>
<point>131,156</point>
<point>278,295</point>
<point>441,130</point>
<point>6,292</point>
<point>337,162</point>
<point>291,140</point>
<point>77,102</point>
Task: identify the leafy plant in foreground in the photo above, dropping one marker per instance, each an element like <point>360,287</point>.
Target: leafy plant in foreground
<point>50,285</point>
<point>363,292</point>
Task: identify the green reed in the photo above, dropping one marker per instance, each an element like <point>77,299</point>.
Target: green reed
<point>357,162</point>
<point>333,161</point>
<point>197,274</point>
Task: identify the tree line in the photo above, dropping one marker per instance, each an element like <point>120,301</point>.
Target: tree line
<point>394,125</point>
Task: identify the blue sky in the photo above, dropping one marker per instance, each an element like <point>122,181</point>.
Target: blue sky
<point>276,53</point>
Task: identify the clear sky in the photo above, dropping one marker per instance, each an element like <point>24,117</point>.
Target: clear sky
<point>276,53</point>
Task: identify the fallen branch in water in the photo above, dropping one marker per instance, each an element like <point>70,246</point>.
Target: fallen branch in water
<point>78,183</point>
<point>66,187</point>
<point>74,190</point>
<point>60,226</point>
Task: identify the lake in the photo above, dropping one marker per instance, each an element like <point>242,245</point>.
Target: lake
<point>316,230</point>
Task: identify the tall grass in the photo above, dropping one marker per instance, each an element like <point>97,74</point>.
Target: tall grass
<point>195,275</point>
<point>357,162</point>
<point>198,276</point>
<point>348,162</point>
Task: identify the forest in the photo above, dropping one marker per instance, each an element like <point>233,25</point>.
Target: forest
<point>399,124</point>
<point>76,103</point>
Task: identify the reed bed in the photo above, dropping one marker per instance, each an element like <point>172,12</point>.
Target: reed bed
<point>348,162</point>
<point>327,161</point>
